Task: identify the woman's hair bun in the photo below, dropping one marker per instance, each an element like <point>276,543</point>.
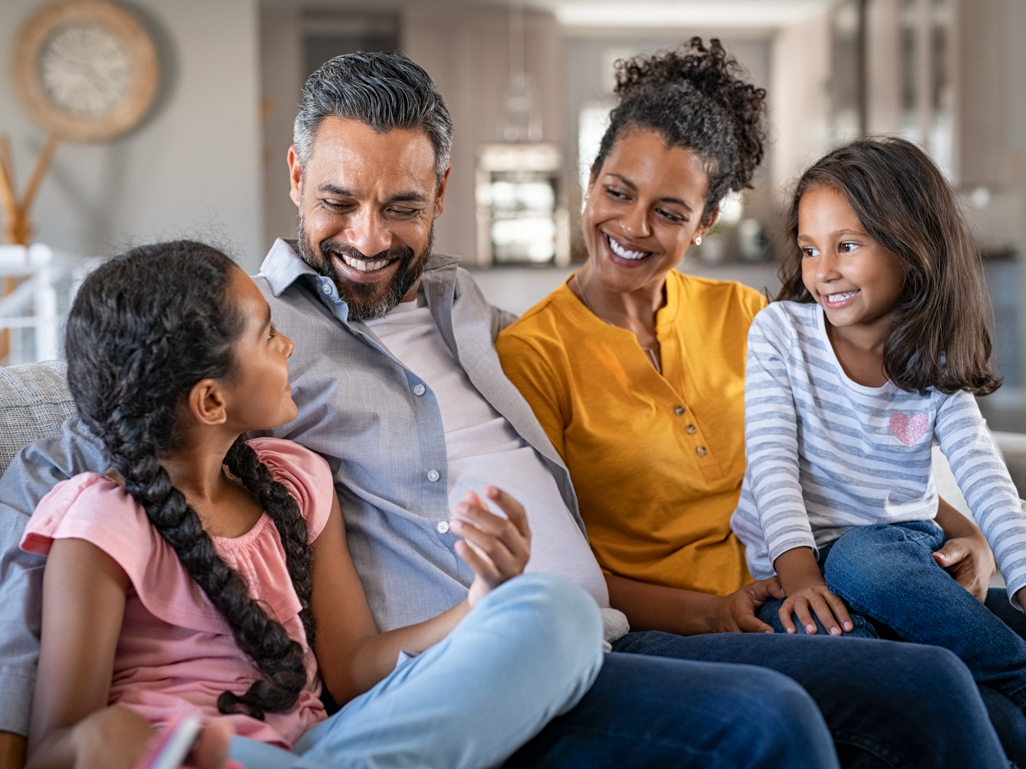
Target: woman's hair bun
<point>698,97</point>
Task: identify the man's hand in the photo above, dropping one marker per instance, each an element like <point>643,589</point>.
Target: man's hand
<point>496,548</point>
<point>737,610</point>
<point>970,562</point>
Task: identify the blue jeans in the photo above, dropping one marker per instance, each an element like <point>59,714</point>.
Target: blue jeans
<point>887,576</point>
<point>526,654</point>
<point>887,704</point>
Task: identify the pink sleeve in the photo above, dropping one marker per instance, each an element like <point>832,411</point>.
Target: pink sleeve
<point>305,474</point>
<point>94,508</point>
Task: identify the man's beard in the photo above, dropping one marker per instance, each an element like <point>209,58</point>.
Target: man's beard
<point>366,301</point>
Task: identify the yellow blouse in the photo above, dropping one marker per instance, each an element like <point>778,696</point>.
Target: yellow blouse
<point>656,460</point>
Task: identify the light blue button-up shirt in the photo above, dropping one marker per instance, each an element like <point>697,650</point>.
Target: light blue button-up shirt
<point>379,426</point>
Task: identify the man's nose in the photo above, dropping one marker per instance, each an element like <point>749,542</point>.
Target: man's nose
<point>368,232</point>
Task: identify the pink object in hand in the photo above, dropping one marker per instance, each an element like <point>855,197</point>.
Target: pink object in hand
<point>909,431</point>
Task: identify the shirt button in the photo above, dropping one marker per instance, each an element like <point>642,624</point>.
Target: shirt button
<point>419,389</point>
<point>442,527</point>
<point>690,429</point>
<point>678,410</point>
<point>701,451</point>
<point>434,475</point>
<point>326,288</point>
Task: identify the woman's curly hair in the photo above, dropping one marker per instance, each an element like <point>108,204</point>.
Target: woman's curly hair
<point>696,98</point>
<point>144,328</point>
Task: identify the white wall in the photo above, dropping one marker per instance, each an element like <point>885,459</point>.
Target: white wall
<point>191,170</point>
<point>465,49</point>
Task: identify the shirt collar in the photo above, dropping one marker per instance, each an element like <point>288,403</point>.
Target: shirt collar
<point>283,266</point>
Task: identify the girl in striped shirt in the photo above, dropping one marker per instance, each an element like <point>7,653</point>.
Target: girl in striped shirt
<point>875,351</point>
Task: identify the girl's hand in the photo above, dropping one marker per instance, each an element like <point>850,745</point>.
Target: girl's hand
<point>114,737</point>
<point>825,604</point>
<point>496,548</point>
<point>117,738</point>
<point>737,610</point>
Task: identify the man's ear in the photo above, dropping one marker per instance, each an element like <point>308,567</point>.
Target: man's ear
<point>207,402</point>
<point>440,193</point>
<point>295,177</point>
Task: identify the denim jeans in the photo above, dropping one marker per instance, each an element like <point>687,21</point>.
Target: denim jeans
<point>887,576</point>
<point>523,656</point>
<point>527,652</point>
<point>887,704</point>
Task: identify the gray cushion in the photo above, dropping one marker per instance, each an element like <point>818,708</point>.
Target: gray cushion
<point>34,401</point>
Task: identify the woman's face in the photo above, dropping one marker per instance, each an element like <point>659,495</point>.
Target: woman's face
<point>643,209</point>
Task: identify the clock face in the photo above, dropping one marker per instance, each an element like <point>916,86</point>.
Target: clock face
<point>85,70</point>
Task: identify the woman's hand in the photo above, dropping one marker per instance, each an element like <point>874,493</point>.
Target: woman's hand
<point>966,556</point>
<point>738,610</point>
<point>970,562</point>
<point>496,548</point>
<point>820,600</point>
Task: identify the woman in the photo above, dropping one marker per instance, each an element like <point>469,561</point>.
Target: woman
<point>636,372</point>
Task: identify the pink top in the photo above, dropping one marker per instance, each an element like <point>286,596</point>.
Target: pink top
<point>176,652</point>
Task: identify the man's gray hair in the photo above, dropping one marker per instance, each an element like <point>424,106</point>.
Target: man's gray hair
<point>382,90</point>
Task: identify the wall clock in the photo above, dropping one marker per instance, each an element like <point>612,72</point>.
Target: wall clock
<point>85,70</point>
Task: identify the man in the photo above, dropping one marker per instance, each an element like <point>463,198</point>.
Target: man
<point>399,387</point>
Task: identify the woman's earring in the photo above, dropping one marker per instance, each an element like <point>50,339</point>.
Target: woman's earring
<point>698,240</point>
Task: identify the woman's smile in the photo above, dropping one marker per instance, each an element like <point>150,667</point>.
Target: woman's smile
<point>624,251</point>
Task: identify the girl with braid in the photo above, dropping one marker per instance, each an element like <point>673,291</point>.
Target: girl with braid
<point>203,572</point>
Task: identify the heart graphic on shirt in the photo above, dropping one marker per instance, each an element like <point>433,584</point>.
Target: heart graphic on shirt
<point>909,431</point>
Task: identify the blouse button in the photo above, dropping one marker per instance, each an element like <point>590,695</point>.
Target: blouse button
<point>442,527</point>
<point>419,389</point>
<point>326,288</point>
<point>701,451</point>
<point>434,475</point>
<point>678,410</point>
<point>690,429</point>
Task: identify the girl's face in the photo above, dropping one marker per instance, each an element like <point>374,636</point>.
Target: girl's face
<point>258,391</point>
<point>643,210</point>
<point>854,279</point>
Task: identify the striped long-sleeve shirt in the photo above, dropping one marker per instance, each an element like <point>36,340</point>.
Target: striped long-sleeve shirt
<point>826,454</point>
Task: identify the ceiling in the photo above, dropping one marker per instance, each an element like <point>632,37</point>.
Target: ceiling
<point>621,14</point>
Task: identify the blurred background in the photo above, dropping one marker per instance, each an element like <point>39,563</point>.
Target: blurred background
<point>529,85</point>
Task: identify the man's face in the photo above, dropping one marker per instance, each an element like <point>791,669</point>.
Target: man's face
<point>367,204</point>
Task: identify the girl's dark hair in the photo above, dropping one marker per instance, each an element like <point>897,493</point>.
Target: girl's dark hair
<point>144,328</point>
<point>695,98</point>
<point>941,334</point>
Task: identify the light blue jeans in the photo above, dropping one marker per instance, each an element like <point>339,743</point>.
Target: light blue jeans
<point>528,652</point>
